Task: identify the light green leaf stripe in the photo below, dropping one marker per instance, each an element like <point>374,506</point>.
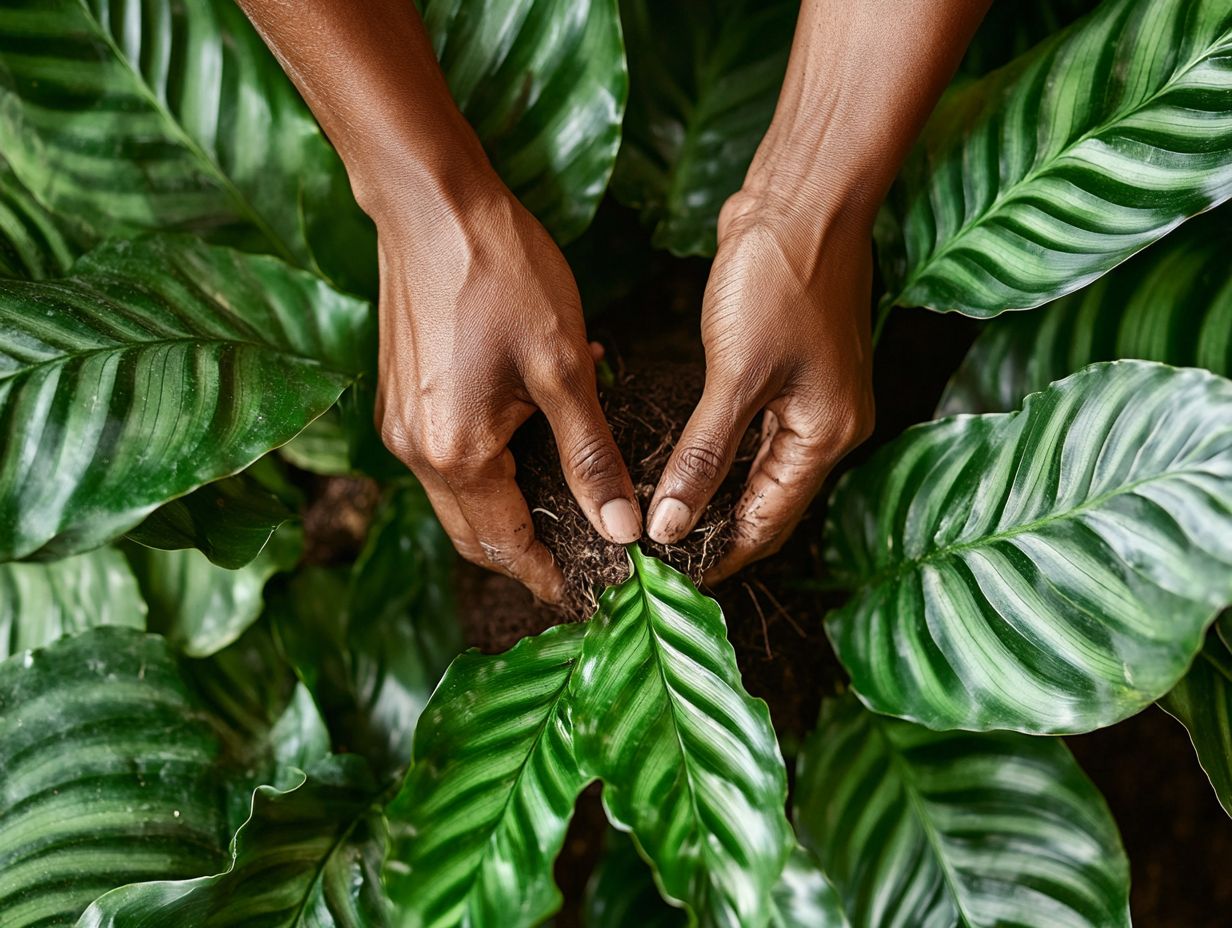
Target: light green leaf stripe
<point>544,83</point>
<point>1011,28</point>
<point>483,812</point>
<point>108,775</point>
<point>156,367</point>
<point>33,243</point>
<point>688,759</point>
<point>307,857</point>
<point>804,898</point>
<point>924,829</point>
<point>1040,177</point>
<point>201,607</point>
<point>1173,303</point>
<point>41,602</point>
<point>1202,702</point>
<point>1047,571</point>
<point>151,115</point>
<point>704,80</point>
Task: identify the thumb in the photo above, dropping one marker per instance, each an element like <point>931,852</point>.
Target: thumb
<point>701,460</point>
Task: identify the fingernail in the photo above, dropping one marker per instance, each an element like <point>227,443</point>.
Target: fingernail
<point>671,519</point>
<point>622,520</point>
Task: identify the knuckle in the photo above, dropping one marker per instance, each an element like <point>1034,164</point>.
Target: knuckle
<point>595,459</point>
<point>566,372</point>
<point>700,462</point>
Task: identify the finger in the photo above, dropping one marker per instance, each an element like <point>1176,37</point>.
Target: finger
<point>597,352</point>
<point>445,505</point>
<point>589,458</point>
<point>789,469</point>
<point>701,459</point>
<point>496,511</point>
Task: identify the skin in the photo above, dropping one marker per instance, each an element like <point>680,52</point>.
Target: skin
<point>480,319</point>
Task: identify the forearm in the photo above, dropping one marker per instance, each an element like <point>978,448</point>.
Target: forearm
<point>861,82</point>
<point>368,72</point>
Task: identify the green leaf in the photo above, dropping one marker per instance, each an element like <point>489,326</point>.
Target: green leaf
<point>1027,184</point>
<point>483,812</point>
<point>704,80</point>
<point>1011,28</point>
<point>229,521</point>
<point>201,607</point>
<point>1202,702</point>
<point>110,775</point>
<point>689,761</point>
<point>544,84</point>
<point>921,828</point>
<point>157,367</point>
<point>622,891</point>
<point>171,115</point>
<point>33,243</point>
<point>41,602</point>
<point>1051,570</point>
<point>1173,304</point>
<point>306,856</point>
<point>804,898</point>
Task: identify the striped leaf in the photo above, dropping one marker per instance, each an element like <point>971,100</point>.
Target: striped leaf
<point>156,367</point>
<point>201,607</point>
<point>544,84</point>
<point>1172,304</point>
<point>41,602</point>
<point>306,856</point>
<point>109,776</point>
<point>483,812</point>
<point>804,897</point>
<point>163,115</point>
<point>688,759</point>
<point>704,80</point>
<point>1040,177</point>
<point>33,243</point>
<point>1051,570</point>
<point>921,829</point>
<point>229,521</point>
<point>1202,702</point>
<point>1012,28</point>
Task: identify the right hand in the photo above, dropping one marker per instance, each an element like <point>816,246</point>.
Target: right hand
<point>480,325</point>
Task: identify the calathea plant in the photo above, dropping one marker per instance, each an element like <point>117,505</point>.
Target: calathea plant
<point>206,721</point>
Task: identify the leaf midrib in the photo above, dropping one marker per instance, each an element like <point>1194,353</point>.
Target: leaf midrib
<point>1012,191</point>
<point>178,131</point>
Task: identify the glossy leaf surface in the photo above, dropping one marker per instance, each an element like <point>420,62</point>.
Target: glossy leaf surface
<point>1172,303</point>
<point>1047,571</point>
<point>153,115</point>
<point>924,829</point>
<point>201,607</point>
<point>688,759</point>
<point>41,602</point>
<point>544,84</point>
<point>156,367</point>
<point>1202,702</point>
<point>483,812</point>
<point>109,775</point>
<point>306,856</point>
<point>704,80</point>
<point>1027,185</point>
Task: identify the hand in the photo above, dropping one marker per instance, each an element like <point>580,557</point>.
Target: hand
<point>480,324</point>
<point>785,326</point>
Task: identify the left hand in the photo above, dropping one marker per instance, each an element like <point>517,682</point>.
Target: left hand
<point>786,330</point>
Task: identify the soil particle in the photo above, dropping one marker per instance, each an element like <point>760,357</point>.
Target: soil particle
<point>336,517</point>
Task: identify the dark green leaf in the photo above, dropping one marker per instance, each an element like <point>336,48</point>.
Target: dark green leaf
<point>1173,304</point>
<point>920,829</point>
<point>622,891</point>
<point>41,602</point>
<point>33,243</point>
<point>306,856</point>
<point>689,761</point>
<point>229,520</point>
<point>1012,28</point>
<point>1040,177</point>
<point>483,812</point>
<point>1051,570</point>
<point>544,84</point>
<point>1202,702</point>
<point>110,775</point>
<point>704,80</point>
<point>171,115</point>
<point>155,368</point>
<point>201,607</point>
